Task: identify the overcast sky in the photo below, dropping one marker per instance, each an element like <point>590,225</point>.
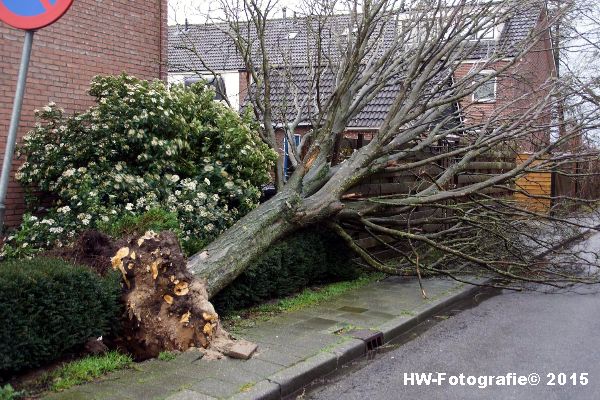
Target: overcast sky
<point>196,10</point>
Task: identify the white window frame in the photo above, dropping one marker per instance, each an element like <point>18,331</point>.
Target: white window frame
<point>486,33</point>
<point>494,80</point>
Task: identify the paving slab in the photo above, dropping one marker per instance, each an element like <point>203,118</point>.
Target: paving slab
<point>189,395</point>
<point>293,348</point>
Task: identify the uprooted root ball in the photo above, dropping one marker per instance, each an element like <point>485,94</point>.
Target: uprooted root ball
<point>167,308</point>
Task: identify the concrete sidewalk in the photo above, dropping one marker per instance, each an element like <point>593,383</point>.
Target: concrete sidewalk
<point>294,348</point>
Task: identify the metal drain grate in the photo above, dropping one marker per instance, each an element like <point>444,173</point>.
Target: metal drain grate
<point>372,339</point>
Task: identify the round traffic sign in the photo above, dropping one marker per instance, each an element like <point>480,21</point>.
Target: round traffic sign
<point>32,14</point>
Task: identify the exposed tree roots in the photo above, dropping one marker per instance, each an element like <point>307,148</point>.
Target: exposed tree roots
<point>166,307</point>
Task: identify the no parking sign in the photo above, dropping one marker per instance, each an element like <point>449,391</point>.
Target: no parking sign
<point>28,15</point>
<point>32,14</point>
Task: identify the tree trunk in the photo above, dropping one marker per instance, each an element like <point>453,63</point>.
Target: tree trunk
<point>227,257</point>
<point>230,254</point>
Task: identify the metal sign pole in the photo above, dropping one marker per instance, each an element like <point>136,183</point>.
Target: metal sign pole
<point>14,124</point>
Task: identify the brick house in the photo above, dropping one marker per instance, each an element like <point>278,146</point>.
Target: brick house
<point>92,38</point>
<point>206,51</point>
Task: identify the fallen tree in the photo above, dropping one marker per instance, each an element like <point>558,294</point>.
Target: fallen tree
<point>414,54</point>
<point>458,214</point>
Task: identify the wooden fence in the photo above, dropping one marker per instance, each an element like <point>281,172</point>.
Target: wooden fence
<point>389,182</point>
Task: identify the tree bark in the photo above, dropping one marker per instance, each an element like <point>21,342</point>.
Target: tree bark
<point>227,257</point>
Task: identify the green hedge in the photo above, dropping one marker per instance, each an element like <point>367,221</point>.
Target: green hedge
<point>48,307</point>
<point>308,257</point>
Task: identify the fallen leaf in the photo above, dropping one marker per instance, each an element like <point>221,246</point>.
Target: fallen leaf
<point>132,255</point>
<point>208,328</point>
<point>168,299</point>
<point>181,289</point>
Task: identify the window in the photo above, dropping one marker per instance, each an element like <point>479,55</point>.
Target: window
<point>216,82</point>
<point>486,92</point>
<point>486,30</point>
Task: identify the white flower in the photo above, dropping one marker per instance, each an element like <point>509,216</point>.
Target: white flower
<point>57,230</point>
<point>189,184</point>
<point>209,168</point>
<point>64,210</point>
<point>229,185</point>
<point>207,181</point>
<point>47,109</point>
<point>129,207</point>
<point>174,178</point>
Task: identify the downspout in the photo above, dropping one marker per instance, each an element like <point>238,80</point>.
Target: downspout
<point>160,40</point>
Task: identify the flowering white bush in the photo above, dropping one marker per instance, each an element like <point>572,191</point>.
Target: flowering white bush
<point>142,146</point>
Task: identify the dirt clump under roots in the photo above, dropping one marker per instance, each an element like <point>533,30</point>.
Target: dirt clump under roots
<point>166,307</point>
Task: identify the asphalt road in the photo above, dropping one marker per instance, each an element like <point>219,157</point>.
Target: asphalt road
<point>521,333</point>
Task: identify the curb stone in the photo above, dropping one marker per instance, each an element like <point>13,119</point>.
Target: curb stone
<point>263,390</point>
<point>299,375</point>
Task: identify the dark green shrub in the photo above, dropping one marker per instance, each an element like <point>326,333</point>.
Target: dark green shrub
<point>308,257</point>
<point>48,307</point>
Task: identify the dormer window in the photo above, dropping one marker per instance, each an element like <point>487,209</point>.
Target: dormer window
<point>216,82</point>
<point>487,30</point>
<point>486,92</point>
